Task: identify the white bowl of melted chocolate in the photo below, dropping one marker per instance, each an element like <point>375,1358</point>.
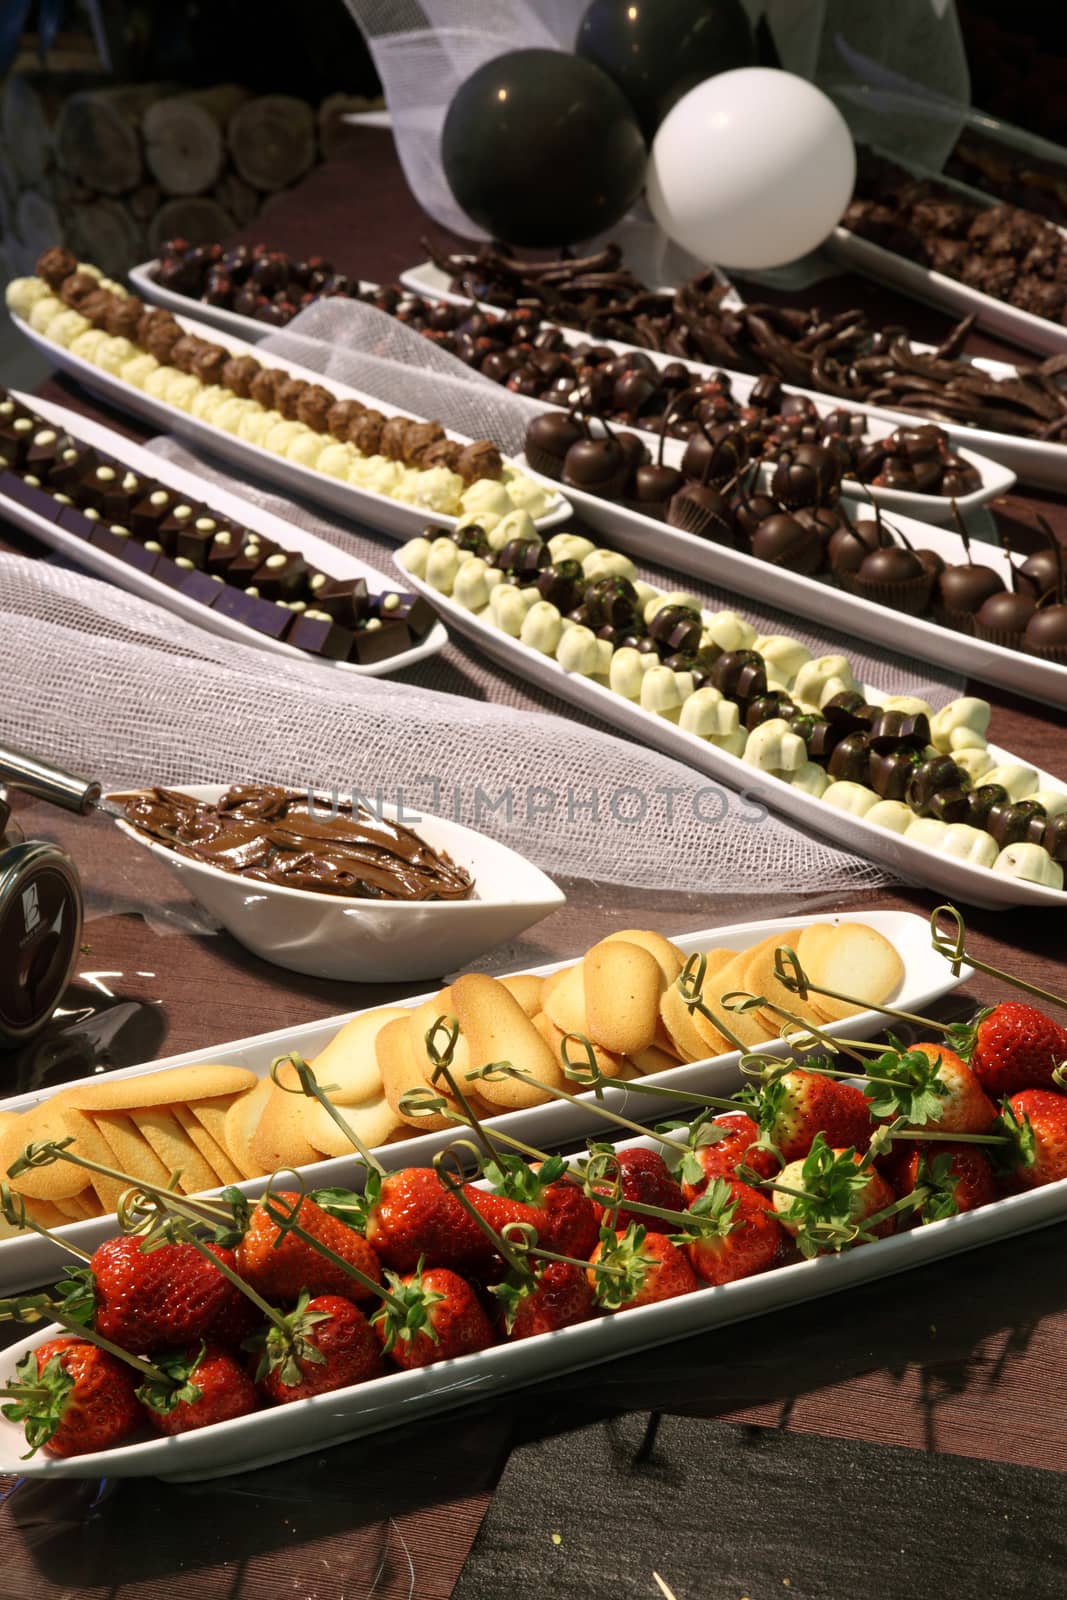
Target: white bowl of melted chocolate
<point>337,890</point>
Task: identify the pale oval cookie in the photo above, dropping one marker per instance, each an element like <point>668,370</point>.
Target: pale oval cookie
<point>670,958</point>
<point>623,983</point>
<point>746,1026</point>
<point>527,990</point>
<point>347,1067</point>
<point>373,1121</point>
<point>164,1088</point>
<point>278,1140</point>
<point>563,999</point>
<point>679,1021</point>
<point>175,1149</point>
<point>41,1123</point>
<point>611,1065</point>
<point>131,1153</point>
<point>646,1063</point>
<point>400,1071</point>
<point>90,1143</point>
<point>213,1153</point>
<point>855,960</point>
<point>496,1028</point>
<point>241,1121</point>
<point>760,978</point>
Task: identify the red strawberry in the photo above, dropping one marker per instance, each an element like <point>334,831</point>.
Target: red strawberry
<point>742,1238</point>
<point>799,1105</point>
<point>965,1106</point>
<point>438,1317</point>
<point>1013,1046</point>
<point>827,1200</point>
<point>959,1177</point>
<point>1037,1121</point>
<point>73,1398</point>
<point>722,1157</point>
<point>571,1224</point>
<point>644,1176</point>
<point>414,1216</point>
<point>166,1297</point>
<point>928,1085</point>
<point>284,1271</point>
<point>208,1385</point>
<point>646,1267</point>
<point>328,1344</point>
<point>557,1296</point>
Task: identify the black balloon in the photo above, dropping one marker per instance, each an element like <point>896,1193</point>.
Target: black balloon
<point>542,149</point>
<point>657,50</point>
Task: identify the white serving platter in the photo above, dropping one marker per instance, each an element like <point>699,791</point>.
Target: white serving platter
<point>338,563</point>
<point>400,1398</point>
<point>996,478</point>
<point>31,1259</point>
<point>946,875</point>
<point>1032,460</point>
<point>646,539</point>
<point>652,541</point>
<point>362,505</point>
<point>374,940</point>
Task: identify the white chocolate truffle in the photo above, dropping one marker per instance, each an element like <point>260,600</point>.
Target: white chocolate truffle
<point>927,831</point>
<point>644,592</point>
<point>281,436</point>
<point>487,495</point>
<point>156,382</point>
<point>821,678</point>
<point>528,495</point>
<point>93,271</point>
<point>659,601</point>
<point>570,547</point>
<point>1015,776</point>
<point>227,413</point>
<point>969,844</point>
<point>65,328</point>
<point>434,489</point>
<point>627,670</point>
<point>487,521</point>
<point>774,747</point>
<point>661,690</point>
<point>114,288</point>
<point>411,557</point>
<point>732,743</point>
<point>851,797</point>
<point>442,564</point>
<point>508,606</point>
<point>810,777</point>
<point>182,390</point>
<point>965,739</point>
<point>113,354</point>
<point>305,449</point>
<point>43,311</point>
<point>516,525</point>
<point>542,627</point>
<point>975,763</point>
<point>136,370</point>
<point>335,459</point>
<point>205,402</point>
<point>729,631</point>
<point>22,294</point>
<point>469,587</point>
<point>1031,862</point>
<point>1054,801</point>
<point>893,815</point>
<point>577,651</point>
<point>607,564</point>
<point>88,343</point>
<point>966,712</point>
<point>909,704</point>
<point>784,656</point>
<point>255,425</point>
<point>709,715</point>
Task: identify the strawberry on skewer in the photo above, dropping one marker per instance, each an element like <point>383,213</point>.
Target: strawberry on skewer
<point>1035,1121</point>
<point>166,1296</point>
<point>928,1083</point>
<point>282,1266</point>
<point>72,1398</point>
<point>206,1386</point>
<point>1012,1046</point>
<point>735,1143</point>
<point>326,1343</point>
<point>554,1295</point>
<point>643,1175</point>
<point>834,1199</point>
<point>634,1268</point>
<point>433,1315</point>
<point>741,1235</point>
<point>952,1177</point>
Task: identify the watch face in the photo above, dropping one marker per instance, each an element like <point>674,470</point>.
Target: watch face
<point>40,926</point>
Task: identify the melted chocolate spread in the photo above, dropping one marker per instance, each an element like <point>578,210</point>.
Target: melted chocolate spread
<point>267,833</point>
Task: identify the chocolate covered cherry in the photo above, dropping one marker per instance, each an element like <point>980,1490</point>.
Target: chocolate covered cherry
<point>548,439</point>
<point>562,584</point>
<point>806,475</point>
<point>1046,631</point>
<point>613,603</point>
<point>677,628</point>
<point>1006,613</point>
<point>785,542</point>
<point>599,466</point>
<point>740,675</point>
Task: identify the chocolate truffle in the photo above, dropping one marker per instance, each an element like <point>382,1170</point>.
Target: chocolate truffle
<point>481,459</point>
<point>56,264</point>
<point>237,375</point>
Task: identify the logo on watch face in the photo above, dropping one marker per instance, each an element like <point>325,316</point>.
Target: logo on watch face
<point>31,908</point>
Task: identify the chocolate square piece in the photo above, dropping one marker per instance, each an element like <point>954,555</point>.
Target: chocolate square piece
<point>107,537</point>
<point>411,609</point>
<point>319,635</point>
<point>45,445</point>
<point>281,575</point>
<point>378,644</point>
<point>71,463</point>
<point>151,511</point>
<point>262,615</point>
<point>71,520</point>
<point>242,571</point>
<point>344,599</point>
<point>198,586</point>
<point>15,437</point>
<point>225,547</point>
<point>169,572</point>
<point>25,494</point>
<point>195,540</point>
<point>139,556</point>
<point>181,516</point>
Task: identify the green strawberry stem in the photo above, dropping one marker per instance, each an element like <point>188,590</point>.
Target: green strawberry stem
<point>955,952</point>
<point>309,1085</point>
<point>35,1307</point>
<point>44,1153</point>
<point>798,981</point>
<point>690,985</point>
<point>504,1069</point>
<point>740,1000</point>
<point>13,1211</point>
<point>286,1222</point>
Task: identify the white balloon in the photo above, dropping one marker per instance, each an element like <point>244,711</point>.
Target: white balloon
<point>752,168</point>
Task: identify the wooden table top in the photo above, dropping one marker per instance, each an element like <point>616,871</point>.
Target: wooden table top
<point>964,1357</point>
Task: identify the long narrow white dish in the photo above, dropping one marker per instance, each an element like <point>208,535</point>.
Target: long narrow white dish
<point>362,505</point>
<point>959,880</point>
<point>337,563</point>
<point>1032,460</point>
<point>403,1397</point>
<point>654,542</point>
<point>996,479</point>
<point>927,976</point>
